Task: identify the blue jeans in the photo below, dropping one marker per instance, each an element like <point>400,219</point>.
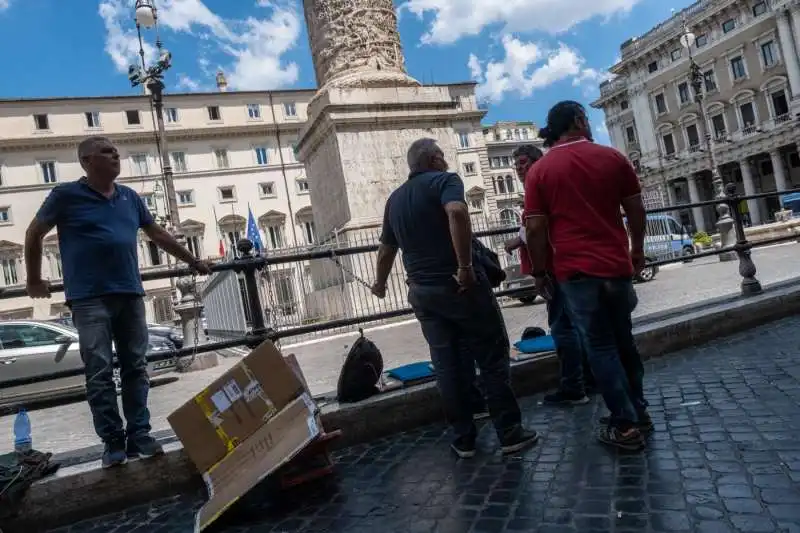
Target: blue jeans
<point>121,319</point>
<point>463,329</point>
<point>568,344</point>
<point>600,310</point>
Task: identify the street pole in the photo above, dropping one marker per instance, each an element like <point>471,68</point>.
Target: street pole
<point>724,221</point>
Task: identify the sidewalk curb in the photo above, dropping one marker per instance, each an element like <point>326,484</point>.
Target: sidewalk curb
<point>85,490</point>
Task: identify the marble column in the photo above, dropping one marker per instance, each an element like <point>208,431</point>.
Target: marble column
<point>750,189</point>
<point>694,197</point>
<point>778,170</point>
<point>790,47</point>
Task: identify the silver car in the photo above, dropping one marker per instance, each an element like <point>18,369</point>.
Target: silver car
<point>29,348</point>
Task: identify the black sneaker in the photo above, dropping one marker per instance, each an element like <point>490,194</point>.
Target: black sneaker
<point>564,398</point>
<point>143,447</point>
<point>644,425</point>
<point>114,453</point>
<point>629,440</point>
<point>519,440</point>
<point>464,447</point>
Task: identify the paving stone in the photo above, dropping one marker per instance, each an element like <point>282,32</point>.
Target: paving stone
<point>569,483</point>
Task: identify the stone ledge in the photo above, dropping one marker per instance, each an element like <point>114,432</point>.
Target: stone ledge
<point>85,490</point>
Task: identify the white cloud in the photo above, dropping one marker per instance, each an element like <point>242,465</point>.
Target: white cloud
<point>527,67</point>
<point>254,46</point>
<point>453,19</point>
<point>188,83</point>
<point>5,4</point>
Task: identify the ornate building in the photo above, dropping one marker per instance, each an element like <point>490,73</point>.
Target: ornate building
<point>747,51</point>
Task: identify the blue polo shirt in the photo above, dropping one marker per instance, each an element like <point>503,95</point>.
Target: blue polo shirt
<point>415,221</point>
<point>97,237</point>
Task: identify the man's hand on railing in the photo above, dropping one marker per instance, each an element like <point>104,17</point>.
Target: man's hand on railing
<point>379,290</point>
<point>201,266</point>
<point>38,289</point>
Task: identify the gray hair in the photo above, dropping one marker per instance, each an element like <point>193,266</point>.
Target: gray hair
<point>533,153</point>
<point>420,154</point>
<point>87,147</point>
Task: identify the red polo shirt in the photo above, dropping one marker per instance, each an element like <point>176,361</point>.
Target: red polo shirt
<point>579,186</point>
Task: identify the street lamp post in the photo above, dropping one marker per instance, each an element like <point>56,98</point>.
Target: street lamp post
<point>152,78</point>
<point>724,222</point>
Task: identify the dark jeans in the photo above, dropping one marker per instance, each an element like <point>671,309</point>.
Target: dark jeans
<point>463,329</point>
<point>600,310</point>
<point>121,319</point>
<point>568,344</point>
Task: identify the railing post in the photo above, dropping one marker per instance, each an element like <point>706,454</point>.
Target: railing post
<point>248,267</point>
<point>747,269</point>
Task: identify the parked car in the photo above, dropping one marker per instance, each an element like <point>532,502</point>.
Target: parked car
<point>28,348</point>
<point>168,333</point>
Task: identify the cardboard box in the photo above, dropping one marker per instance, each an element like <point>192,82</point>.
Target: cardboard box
<point>273,445</point>
<point>236,405</point>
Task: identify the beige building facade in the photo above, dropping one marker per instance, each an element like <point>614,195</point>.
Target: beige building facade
<point>230,152</point>
<point>747,51</point>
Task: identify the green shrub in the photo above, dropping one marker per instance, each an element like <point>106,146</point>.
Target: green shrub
<point>702,238</point>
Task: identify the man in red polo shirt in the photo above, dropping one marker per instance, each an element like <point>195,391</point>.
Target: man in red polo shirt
<point>572,211</point>
<point>576,375</point>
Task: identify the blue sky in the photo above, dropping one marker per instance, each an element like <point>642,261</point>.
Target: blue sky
<point>526,54</point>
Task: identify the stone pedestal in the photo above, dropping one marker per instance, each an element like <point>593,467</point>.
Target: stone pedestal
<point>190,310</point>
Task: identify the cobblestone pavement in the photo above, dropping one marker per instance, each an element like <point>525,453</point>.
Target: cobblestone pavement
<point>725,457</point>
<point>68,427</point>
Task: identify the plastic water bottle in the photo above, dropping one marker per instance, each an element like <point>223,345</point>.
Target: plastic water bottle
<point>22,432</point>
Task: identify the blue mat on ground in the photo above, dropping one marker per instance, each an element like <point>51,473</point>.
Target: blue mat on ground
<point>411,372</point>
<point>536,345</point>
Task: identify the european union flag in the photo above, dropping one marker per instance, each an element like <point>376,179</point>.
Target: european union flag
<point>253,235</point>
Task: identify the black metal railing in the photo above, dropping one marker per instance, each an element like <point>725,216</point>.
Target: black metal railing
<point>249,266</point>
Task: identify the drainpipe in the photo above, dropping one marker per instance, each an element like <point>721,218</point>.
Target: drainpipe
<point>283,171</point>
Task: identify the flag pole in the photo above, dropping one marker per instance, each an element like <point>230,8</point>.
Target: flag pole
<point>220,235</point>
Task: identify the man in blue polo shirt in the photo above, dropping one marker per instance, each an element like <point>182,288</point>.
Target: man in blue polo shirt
<point>428,219</point>
<point>98,223</point>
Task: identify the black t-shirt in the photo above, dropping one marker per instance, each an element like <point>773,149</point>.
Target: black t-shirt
<point>415,222</point>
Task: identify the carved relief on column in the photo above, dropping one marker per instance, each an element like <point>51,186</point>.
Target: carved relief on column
<point>355,43</point>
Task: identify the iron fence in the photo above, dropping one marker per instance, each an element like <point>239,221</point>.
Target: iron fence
<point>248,281</point>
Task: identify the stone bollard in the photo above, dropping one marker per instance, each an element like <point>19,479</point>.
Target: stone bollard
<point>190,309</point>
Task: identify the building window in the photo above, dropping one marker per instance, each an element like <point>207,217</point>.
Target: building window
<point>266,190</point>
<point>759,9</point>
<point>253,112</point>
<point>780,105</point>
<point>213,113</point>
<point>623,105</point>
<point>476,202</point>
<point>630,133</point>
<point>227,193</point>
<point>661,103</point>
<point>683,93</point>
<point>525,134</point>
<point>748,114</point>
<point>178,161</point>
<point>769,53</point>
<point>261,155</point>
<point>710,80</point>
<point>185,197</point>
<point>718,124</point>
<point>669,144</point>
<point>509,135</point>
<point>42,122</point>
<point>54,259</point>
<point>48,171</point>
<point>132,118</point>
<point>221,157</point>
<point>293,152</point>
<point>193,244</point>
<point>675,54</point>
<point>737,68</point>
<point>302,186</point>
<point>154,253</point>
<point>499,185</point>
<point>92,119</point>
<point>505,161</point>
<point>729,25</point>
<point>309,232</point>
<point>463,140</point>
<point>5,215</point>
<point>289,109</point>
<point>274,236</point>
<point>652,67</point>
<point>692,136</point>
<point>509,184</point>
<point>139,162</point>
<point>171,113</point>
<point>469,169</point>
<point>701,40</point>
<point>9,271</point>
